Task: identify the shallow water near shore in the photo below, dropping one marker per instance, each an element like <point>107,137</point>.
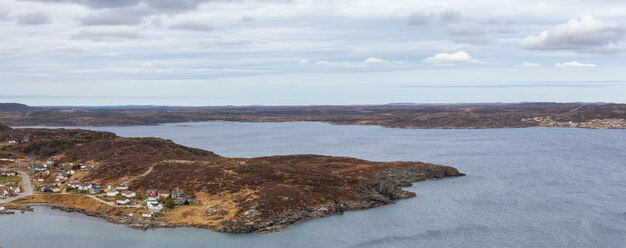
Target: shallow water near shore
<point>532,187</point>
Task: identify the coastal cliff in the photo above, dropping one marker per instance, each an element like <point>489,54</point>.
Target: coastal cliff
<point>262,194</point>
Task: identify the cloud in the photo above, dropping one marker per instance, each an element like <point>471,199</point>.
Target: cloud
<point>114,33</point>
<point>36,18</point>
<point>193,25</point>
<point>161,5</point>
<point>529,65</point>
<point>96,4</point>
<point>470,33</point>
<point>420,18</point>
<point>585,35</point>
<point>71,48</point>
<point>573,64</point>
<point>4,15</point>
<point>375,61</point>
<point>449,58</point>
<point>450,16</point>
<point>111,17</point>
<point>372,61</point>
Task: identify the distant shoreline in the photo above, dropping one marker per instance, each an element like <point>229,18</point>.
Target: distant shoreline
<point>454,116</point>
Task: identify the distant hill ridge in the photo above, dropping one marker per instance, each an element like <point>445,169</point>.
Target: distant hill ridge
<point>14,107</point>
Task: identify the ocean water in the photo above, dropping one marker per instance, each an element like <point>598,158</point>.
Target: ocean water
<point>533,187</point>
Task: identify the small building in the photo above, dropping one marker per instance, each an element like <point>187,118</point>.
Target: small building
<point>164,193</point>
<point>95,189</point>
<point>122,201</point>
<point>153,199</point>
<point>129,194</point>
<point>155,207</point>
<point>152,192</point>
<point>8,174</point>
<point>85,186</point>
<point>13,142</point>
<point>147,214</point>
<point>112,193</point>
<point>73,184</point>
<point>121,187</point>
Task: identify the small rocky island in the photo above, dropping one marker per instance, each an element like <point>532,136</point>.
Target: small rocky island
<point>150,182</point>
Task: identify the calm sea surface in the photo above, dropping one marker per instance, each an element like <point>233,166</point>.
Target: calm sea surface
<point>535,187</point>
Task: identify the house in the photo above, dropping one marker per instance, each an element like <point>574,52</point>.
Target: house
<point>179,197</point>
<point>181,200</point>
<point>164,193</point>
<point>121,187</point>
<point>51,161</point>
<point>152,192</point>
<point>85,186</point>
<point>147,214</point>
<point>73,184</point>
<point>129,194</point>
<point>122,201</point>
<point>153,199</point>
<point>95,189</point>
<point>13,142</point>
<point>45,188</point>
<point>155,207</point>
<point>9,174</point>
<point>112,193</point>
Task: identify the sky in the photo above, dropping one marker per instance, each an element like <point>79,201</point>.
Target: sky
<point>311,52</point>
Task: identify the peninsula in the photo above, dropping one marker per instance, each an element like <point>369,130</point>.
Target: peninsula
<point>150,182</point>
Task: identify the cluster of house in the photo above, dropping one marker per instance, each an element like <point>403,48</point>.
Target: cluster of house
<point>595,123</point>
<point>9,189</point>
<point>156,196</point>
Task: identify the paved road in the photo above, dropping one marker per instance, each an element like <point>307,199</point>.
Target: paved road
<point>26,187</point>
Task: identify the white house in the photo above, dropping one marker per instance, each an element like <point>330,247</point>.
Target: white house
<point>147,215</point>
<point>129,194</point>
<point>113,193</point>
<point>153,199</point>
<point>12,142</point>
<point>123,201</point>
<point>121,187</point>
<point>155,207</point>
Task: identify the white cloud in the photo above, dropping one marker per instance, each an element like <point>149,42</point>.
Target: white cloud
<point>374,61</point>
<point>449,58</point>
<point>111,17</point>
<point>418,19</point>
<point>113,33</point>
<point>350,64</point>
<point>193,25</point>
<point>37,18</point>
<point>71,48</point>
<point>529,65</point>
<point>573,64</point>
<point>585,35</point>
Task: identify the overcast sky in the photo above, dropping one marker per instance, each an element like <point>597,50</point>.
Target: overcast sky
<point>279,52</point>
